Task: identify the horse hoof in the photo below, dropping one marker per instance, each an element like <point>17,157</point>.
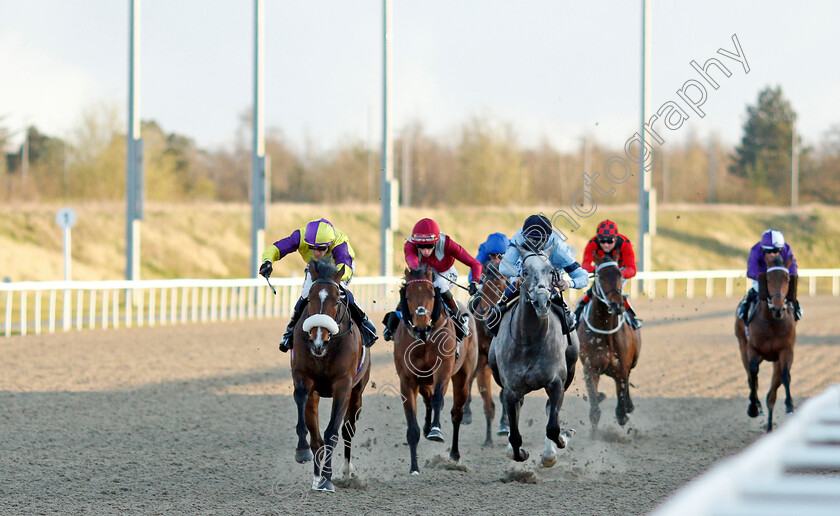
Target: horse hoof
<point>415,473</point>
<point>467,418</point>
<point>549,462</point>
<point>487,444</point>
<point>622,420</point>
<point>303,455</point>
<point>455,457</point>
<point>503,430</point>
<point>601,396</point>
<point>523,454</point>
<point>788,409</point>
<point>753,411</point>
<point>435,435</point>
<point>323,484</point>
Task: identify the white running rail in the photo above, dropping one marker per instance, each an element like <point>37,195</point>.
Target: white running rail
<point>795,470</point>
<point>35,307</point>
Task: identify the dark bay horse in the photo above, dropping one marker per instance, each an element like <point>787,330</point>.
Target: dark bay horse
<point>608,343</point>
<point>329,361</point>
<point>771,336</point>
<point>493,286</point>
<point>531,352</point>
<point>427,357</point>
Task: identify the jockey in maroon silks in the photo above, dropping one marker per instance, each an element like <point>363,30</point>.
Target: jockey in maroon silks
<point>316,240</point>
<point>772,243</point>
<point>607,240</point>
<point>428,246</point>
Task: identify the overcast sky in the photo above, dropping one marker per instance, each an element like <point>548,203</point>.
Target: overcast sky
<point>551,69</point>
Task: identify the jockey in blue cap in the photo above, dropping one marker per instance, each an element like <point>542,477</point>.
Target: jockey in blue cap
<point>491,251</point>
<point>772,243</point>
<point>537,235</point>
<point>317,239</point>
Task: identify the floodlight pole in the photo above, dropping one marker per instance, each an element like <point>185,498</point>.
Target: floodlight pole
<point>643,252</point>
<point>389,218</point>
<point>134,148</point>
<point>259,186</point>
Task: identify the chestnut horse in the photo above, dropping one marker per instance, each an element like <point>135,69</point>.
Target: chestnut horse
<point>608,343</point>
<point>329,361</point>
<point>427,357</point>
<point>493,286</point>
<point>771,336</point>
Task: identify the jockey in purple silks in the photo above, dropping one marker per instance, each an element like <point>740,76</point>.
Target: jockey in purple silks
<point>772,243</point>
<point>319,238</point>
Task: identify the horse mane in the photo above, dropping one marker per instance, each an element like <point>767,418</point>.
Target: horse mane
<point>325,268</point>
<point>419,272</point>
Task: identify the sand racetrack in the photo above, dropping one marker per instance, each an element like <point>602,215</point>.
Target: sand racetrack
<point>199,419</point>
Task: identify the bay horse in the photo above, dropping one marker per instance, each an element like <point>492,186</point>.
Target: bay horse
<point>493,286</point>
<point>771,337</point>
<point>608,343</point>
<point>328,360</point>
<point>427,358</point>
<point>531,352</point>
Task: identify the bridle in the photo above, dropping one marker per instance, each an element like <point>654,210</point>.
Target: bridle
<point>526,292</point>
<point>601,295</point>
<point>342,303</point>
<point>408,317</point>
<point>770,297</point>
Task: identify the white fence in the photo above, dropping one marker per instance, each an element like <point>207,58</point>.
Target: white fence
<point>794,470</point>
<point>34,307</point>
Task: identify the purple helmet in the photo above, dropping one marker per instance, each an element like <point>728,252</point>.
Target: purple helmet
<point>772,239</point>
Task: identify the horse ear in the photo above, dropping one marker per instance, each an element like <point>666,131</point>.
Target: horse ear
<point>339,273</point>
<point>407,272</point>
<point>788,262</point>
<point>313,271</point>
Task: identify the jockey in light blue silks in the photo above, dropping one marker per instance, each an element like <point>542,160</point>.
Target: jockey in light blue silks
<point>772,243</point>
<point>317,239</point>
<point>537,234</point>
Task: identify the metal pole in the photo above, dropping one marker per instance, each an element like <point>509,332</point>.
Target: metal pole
<point>794,165</point>
<point>390,215</point>
<point>406,167</point>
<point>712,171</point>
<point>133,175</point>
<point>259,197</point>
<point>67,252</point>
<point>586,169</point>
<point>644,176</point>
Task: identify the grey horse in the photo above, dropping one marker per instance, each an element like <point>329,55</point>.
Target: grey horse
<point>531,352</point>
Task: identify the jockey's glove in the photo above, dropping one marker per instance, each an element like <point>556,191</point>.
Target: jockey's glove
<point>561,285</point>
<point>473,288</point>
<point>265,269</point>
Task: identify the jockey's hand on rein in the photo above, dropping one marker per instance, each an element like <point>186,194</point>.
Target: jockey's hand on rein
<point>561,285</point>
<point>265,269</point>
<point>473,288</point>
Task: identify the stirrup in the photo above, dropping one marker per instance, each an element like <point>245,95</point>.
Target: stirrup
<point>286,341</point>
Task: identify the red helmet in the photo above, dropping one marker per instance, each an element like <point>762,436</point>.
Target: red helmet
<point>426,231</point>
<point>607,229</point>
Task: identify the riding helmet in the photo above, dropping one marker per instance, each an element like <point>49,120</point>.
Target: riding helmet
<point>319,234</point>
<point>537,229</point>
<point>772,239</point>
<point>607,229</point>
<point>426,231</point>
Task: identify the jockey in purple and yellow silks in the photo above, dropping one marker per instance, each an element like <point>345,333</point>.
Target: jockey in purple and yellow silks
<point>317,239</point>
<point>772,243</point>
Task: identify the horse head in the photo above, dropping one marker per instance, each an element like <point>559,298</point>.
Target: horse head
<point>324,301</point>
<point>493,286</point>
<point>420,301</point>
<point>537,278</point>
<point>773,285</point>
<point>608,282</point>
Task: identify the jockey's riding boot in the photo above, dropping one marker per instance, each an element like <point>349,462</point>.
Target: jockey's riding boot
<point>559,307</point>
<point>391,321</point>
<point>491,323</point>
<point>286,342</point>
<point>791,296</point>
<point>462,321</point>
<point>746,305</point>
<point>631,313</point>
<point>367,329</point>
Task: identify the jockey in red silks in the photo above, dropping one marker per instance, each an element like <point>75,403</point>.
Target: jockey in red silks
<point>607,240</point>
<point>428,246</point>
<point>317,239</point>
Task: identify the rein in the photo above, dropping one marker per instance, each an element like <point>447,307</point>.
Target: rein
<point>342,303</point>
<point>602,297</point>
<point>407,316</point>
<point>769,298</point>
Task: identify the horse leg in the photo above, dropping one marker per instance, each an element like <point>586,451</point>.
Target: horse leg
<point>302,452</point>
<point>426,393</point>
<point>515,451</point>
<point>752,378</point>
<point>775,382</point>
<point>437,406</point>
<point>621,389</point>
<point>555,392</point>
<point>460,392</point>
<point>504,422</point>
<point>341,397</point>
<point>348,430</point>
<point>489,407</point>
<point>572,353</point>
<point>413,433</point>
<point>316,444</point>
<point>786,360</point>
<point>591,380</point>
<point>467,419</point>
